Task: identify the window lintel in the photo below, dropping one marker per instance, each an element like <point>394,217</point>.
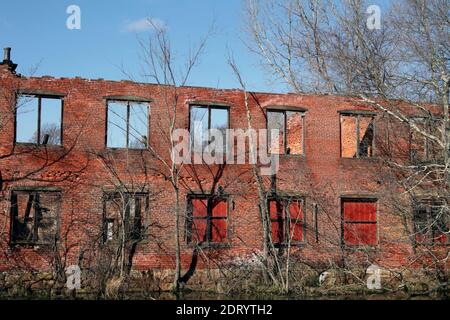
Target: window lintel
<point>35,189</point>
<point>41,93</point>
<point>206,104</point>
<point>367,113</point>
<point>125,189</point>
<point>283,108</point>
<point>359,197</point>
<point>127,99</point>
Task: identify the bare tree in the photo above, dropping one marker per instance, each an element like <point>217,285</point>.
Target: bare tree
<point>401,70</point>
<point>160,66</point>
<point>274,267</point>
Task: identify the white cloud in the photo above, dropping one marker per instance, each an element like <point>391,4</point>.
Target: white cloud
<point>144,24</point>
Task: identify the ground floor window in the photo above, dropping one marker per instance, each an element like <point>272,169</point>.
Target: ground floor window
<point>287,220</point>
<point>34,217</point>
<point>124,213</point>
<point>359,222</point>
<point>207,220</point>
<point>431,221</point>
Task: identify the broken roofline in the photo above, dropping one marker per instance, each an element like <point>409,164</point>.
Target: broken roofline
<point>240,90</point>
<point>355,98</point>
<point>360,98</point>
<point>140,83</point>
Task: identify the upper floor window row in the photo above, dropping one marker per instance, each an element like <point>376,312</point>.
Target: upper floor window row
<point>39,120</point>
<point>357,133</point>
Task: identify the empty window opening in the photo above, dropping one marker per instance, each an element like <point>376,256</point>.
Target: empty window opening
<point>290,125</point>
<point>207,220</point>
<point>127,125</point>
<point>34,217</point>
<point>39,120</point>
<point>287,221</point>
<point>124,215</point>
<point>204,118</point>
<point>359,222</point>
<point>422,148</point>
<point>357,136</point>
<point>431,221</point>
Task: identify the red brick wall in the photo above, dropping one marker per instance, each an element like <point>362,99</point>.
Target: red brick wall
<point>321,176</point>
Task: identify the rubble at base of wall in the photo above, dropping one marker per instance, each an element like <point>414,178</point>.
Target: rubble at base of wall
<point>237,283</point>
<point>402,283</point>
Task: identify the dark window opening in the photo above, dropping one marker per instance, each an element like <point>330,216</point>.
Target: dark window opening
<point>431,222</point>
<point>287,221</point>
<point>316,221</point>
<point>39,120</point>
<point>207,220</point>
<point>127,125</point>
<point>124,215</point>
<point>34,217</point>
<point>422,148</point>
<point>290,124</point>
<point>359,222</point>
<point>357,136</point>
<point>201,120</point>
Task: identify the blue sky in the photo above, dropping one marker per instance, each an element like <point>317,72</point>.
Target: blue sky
<point>36,30</point>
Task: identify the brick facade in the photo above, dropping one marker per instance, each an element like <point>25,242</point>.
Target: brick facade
<point>321,177</point>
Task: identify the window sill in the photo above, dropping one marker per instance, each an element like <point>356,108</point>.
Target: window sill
<point>38,146</point>
<point>294,244</point>
<point>210,245</point>
<point>370,159</point>
<point>33,246</point>
<point>288,156</point>
<point>125,149</point>
<point>361,247</point>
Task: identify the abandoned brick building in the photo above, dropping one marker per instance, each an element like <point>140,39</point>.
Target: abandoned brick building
<point>71,150</point>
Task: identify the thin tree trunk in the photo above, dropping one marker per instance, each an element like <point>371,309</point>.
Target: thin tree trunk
<point>176,280</point>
